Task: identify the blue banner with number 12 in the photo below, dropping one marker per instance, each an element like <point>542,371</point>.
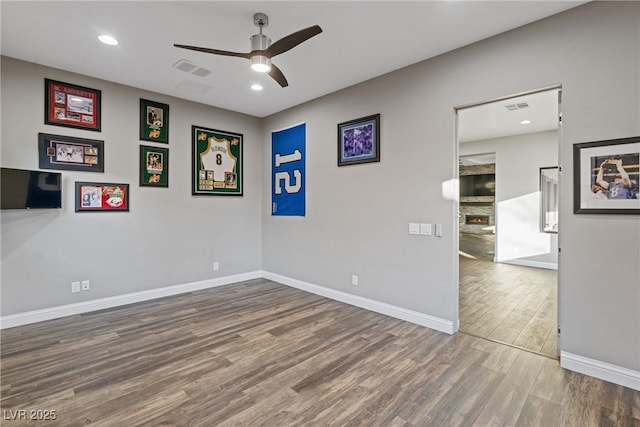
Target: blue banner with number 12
<point>287,176</point>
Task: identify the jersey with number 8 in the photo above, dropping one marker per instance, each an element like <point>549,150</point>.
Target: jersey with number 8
<point>218,158</point>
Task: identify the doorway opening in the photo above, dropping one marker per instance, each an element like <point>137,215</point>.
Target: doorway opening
<point>508,248</point>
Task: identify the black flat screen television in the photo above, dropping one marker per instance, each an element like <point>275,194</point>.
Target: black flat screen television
<point>478,185</point>
<point>30,189</point>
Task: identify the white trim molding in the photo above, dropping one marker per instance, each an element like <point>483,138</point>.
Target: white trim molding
<point>605,371</point>
<point>529,263</point>
<point>29,317</point>
<point>421,319</point>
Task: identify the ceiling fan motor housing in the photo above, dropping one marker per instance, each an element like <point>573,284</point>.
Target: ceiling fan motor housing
<point>260,41</point>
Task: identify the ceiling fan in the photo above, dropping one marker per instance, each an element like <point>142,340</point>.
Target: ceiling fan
<point>262,50</point>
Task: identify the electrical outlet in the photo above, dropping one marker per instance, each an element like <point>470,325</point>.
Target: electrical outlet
<point>85,285</point>
<point>75,286</point>
<point>354,280</point>
<point>216,266</point>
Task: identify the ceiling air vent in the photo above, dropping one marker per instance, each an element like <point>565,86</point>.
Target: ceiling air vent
<point>201,72</point>
<point>189,67</point>
<point>185,66</point>
<point>518,106</point>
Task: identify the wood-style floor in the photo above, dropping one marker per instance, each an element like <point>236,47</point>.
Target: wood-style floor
<point>261,354</point>
<point>506,303</point>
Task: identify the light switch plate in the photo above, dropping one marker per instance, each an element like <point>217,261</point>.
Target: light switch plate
<point>414,228</point>
<point>425,229</point>
<point>438,230</point>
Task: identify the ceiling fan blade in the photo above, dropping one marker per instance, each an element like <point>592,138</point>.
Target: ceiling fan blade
<point>291,41</point>
<point>214,51</point>
<point>277,75</point>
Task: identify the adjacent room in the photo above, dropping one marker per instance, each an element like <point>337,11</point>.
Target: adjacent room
<point>508,220</point>
<point>269,213</point>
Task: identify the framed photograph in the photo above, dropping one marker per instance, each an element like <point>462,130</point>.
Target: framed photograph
<point>71,105</point>
<point>359,141</point>
<point>154,121</point>
<point>216,162</point>
<point>549,199</point>
<point>68,153</point>
<point>154,166</point>
<point>605,177</point>
<point>101,196</point>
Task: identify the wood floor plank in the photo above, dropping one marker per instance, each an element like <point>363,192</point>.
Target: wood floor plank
<point>259,353</point>
<point>539,412</point>
<point>505,406</point>
<point>507,303</point>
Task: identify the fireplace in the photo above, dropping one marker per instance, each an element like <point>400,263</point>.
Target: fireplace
<point>476,219</point>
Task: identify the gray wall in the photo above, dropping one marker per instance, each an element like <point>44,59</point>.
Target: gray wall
<point>357,216</point>
<point>518,162</point>
<point>169,237</point>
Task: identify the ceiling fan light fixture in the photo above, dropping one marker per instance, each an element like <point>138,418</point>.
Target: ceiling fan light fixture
<point>260,63</point>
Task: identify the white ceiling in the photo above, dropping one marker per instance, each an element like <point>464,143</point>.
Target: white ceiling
<point>507,116</point>
<point>360,40</point>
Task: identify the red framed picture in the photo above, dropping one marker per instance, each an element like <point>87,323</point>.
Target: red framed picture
<point>72,106</point>
<point>101,196</point>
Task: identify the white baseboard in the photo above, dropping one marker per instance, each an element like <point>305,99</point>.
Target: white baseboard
<point>421,319</point>
<point>528,263</point>
<point>604,371</point>
<point>28,317</point>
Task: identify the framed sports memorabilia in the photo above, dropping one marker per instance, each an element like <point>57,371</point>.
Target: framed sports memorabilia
<point>216,162</point>
<point>359,141</point>
<point>606,176</point>
<point>101,197</point>
<point>72,106</point>
<point>68,153</point>
<point>154,166</point>
<point>154,121</point>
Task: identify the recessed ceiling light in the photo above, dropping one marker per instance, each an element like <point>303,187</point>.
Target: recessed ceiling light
<point>256,87</point>
<point>525,122</point>
<point>108,40</point>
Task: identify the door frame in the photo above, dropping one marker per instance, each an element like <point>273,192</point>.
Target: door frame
<point>456,205</point>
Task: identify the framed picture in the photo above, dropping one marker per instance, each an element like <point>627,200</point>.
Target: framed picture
<point>549,199</point>
<point>216,162</point>
<point>101,196</point>
<point>605,177</point>
<point>154,121</point>
<point>68,153</point>
<point>359,141</point>
<point>71,105</point>
<point>154,166</point>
